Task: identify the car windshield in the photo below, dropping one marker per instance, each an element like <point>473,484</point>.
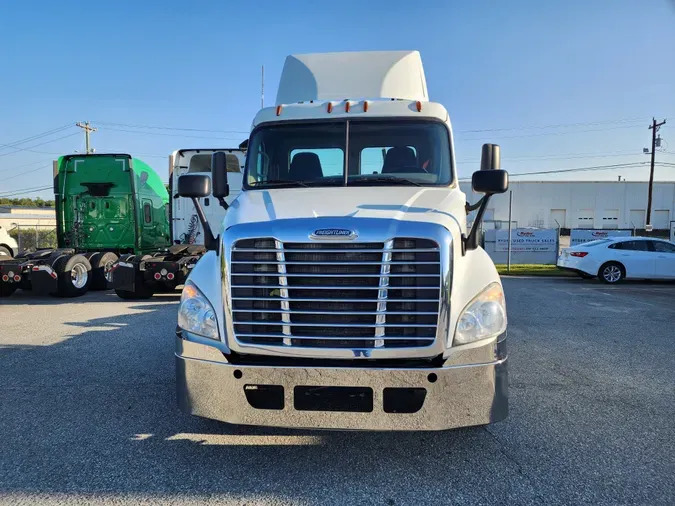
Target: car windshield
<point>411,153</point>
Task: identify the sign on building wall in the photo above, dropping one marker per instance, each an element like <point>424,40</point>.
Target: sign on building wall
<point>581,236</point>
<point>527,239</point>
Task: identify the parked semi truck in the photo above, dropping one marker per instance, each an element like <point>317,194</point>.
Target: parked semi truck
<point>139,277</point>
<point>344,289</point>
<point>107,205</point>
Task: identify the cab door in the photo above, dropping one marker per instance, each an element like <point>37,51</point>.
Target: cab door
<point>185,225</point>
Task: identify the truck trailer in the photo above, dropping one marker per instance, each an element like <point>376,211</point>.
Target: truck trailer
<point>108,206</point>
<point>344,289</point>
<point>139,277</point>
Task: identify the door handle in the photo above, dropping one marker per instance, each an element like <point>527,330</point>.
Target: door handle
<point>662,256</point>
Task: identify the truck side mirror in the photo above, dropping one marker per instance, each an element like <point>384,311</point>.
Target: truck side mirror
<point>490,158</point>
<point>219,174</point>
<point>490,181</point>
<point>194,186</point>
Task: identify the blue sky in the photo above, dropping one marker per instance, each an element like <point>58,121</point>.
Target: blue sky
<point>505,70</point>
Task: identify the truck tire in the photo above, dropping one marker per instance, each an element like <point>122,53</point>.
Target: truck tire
<point>5,252</point>
<point>142,290</point>
<point>74,275</point>
<point>100,274</point>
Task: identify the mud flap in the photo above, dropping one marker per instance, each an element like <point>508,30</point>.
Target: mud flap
<point>44,279</point>
<point>124,276</point>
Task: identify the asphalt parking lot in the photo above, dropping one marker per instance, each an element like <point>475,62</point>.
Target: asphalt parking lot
<point>87,414</point>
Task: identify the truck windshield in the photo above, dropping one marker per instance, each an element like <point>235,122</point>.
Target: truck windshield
<point>381,153</point>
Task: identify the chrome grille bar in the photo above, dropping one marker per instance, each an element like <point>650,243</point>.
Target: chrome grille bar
<point>335,295</point>
<point>283,293</point>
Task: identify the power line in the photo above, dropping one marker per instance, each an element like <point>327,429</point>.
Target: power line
<point>26,172</point>
<point>21,189</point>
<point>560,125</point>
<point>26,191</point>
<point>173,128</point>
<point>29,164</point>
<point>562,156</point>
<point>42,143</point>
<point>584,169</point>
<point>166,135</point>
<point>544,134</point>
<point>578,169</point>
<point>36,136</point>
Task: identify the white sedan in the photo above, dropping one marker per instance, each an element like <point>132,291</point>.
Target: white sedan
<point>617,258</point>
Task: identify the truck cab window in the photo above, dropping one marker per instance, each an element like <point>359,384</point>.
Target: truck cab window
<point>329,160</point>
<point>147,213</point>
<point>416,153</point>
<point>372,158</point>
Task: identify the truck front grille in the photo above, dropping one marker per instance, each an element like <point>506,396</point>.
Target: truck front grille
<point>336,295</point>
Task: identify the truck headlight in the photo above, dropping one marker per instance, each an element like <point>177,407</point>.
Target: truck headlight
<point>196,314</point>
<point>483,317</point>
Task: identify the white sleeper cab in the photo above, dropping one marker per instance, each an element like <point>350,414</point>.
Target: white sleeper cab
<point>343,289</point>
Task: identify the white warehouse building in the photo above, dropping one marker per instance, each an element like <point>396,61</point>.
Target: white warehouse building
<point>580,204</point>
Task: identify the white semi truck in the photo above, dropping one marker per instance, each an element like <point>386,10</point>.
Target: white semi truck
<point>343,289</point>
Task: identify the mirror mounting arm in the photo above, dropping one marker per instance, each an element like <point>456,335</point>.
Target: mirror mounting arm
<point>471,241</point>
<point>472,207</point>
<point>210,242</point>
<point>223,203</point>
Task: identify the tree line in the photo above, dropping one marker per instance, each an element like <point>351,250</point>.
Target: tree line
<point>38,202</point>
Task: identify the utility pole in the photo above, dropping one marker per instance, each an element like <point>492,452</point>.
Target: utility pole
<point>654,127</point>
<point>87,131</point>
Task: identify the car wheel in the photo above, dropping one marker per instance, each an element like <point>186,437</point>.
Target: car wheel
<point>5,252</point>
<point>611,272</point>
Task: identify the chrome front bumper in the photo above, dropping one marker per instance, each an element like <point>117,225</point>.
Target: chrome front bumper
<point>471,388</point>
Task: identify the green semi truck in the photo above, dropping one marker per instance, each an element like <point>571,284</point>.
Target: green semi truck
<point>109,208</point>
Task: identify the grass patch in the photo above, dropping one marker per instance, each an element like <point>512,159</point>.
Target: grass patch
<point>533,270</point>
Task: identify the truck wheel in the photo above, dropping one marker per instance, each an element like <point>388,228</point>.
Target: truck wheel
<point>74,275</point>
<point>5,253</point>
<point>101,276</point>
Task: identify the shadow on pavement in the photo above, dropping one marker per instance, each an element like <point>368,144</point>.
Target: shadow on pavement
<point>96,414</point>
<point>27,297</point>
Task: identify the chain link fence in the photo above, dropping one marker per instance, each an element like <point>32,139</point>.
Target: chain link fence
<point>32,237</point>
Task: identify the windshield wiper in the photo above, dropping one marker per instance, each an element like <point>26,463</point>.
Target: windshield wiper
<point>279,182</point>
<point>385,179</point>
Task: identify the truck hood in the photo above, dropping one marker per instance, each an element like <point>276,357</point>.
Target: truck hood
<point>444,206</point>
